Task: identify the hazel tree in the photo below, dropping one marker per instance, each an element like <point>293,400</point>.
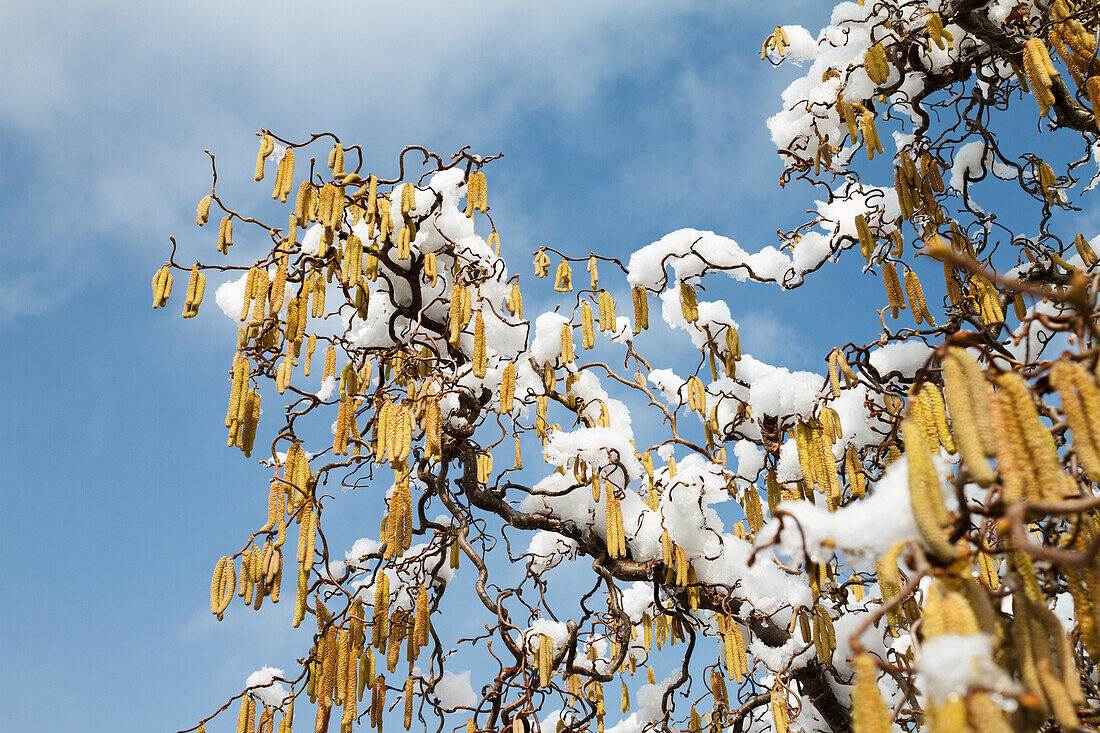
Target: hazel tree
<point>573,527</point>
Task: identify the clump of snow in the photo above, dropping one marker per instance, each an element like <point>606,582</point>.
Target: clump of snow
<point>557,631</point>
<point>605,449</point>
<point>547,549</point>
<point>311,240</point>
<point>264,688</point>
<point>692,252</point>
<point>866,528</point>
<point>547,343</point>
<point>954,663</point>
<point>905,358</point>
<point>750,459</point>
<point>802,45</point>
<point>362,547</point>
<point>328,387</point>
<point>782,393</point>
<point>454,691</point>
<point>230,297</point>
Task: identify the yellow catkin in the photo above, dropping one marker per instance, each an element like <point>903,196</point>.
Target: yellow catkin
<point>196,288</point>
<point>544,655</point>
<point>225,235</point>
<point>870,135</point>
<point>616,537</point>
<point>336,158</point>
<point>284,177</point>
<point>1039,70</point>
<point>202,213</point>
<point>869,711</point>
<point>408,702</point>
<point>1048,183</point>
<point>162,286</point>
<point>216,585</point>
<point>933,399</point>
<point>1081,406</point>
<point>588,333</point>
<point>987,570</point>
<point>476,193</point>
<point>542,263</point>
<point>433,430</point>
<point>866,241</point>
<point>824,635</point>
<point>540,415</point>
<point>430,268</point>
<point>1051,483</point>
<point>875,64</point>
<point>378,702</point>
<point>779,708</point>
<point>267,145</point>
<point>853,470</point>
<point>568,356</point>
<point>893,289</point>
<point>515,301</point>
<point>242,716</point>
<point>689,305</point>
<point>985,715</point>
<point>917,303</point>
<point>607,311</point>
<point>834,373</point>
<point>301,205</point>
<point>593,271</point>
<point>948,717</point>
<point>1092,86</point>
<point>971,421</point>
<point>754,513</point>
<point>1084,249</point>
<point>343,650</point>
<point>252,417</point>
<point>925,493</point>
<point>735,653</point>
<point>641,309</point>
<point>480,361</point>
<point>563,280</point>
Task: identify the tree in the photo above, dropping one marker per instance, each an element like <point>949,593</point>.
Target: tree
<point>915,534</point>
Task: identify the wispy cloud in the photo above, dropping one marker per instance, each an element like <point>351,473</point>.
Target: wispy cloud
<point>111,103</point>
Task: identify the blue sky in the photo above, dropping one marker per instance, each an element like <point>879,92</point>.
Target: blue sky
<point>619,121</point>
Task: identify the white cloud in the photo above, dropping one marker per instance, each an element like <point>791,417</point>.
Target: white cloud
<point>111,103</point>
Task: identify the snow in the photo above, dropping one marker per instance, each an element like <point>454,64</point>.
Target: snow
<point>905,358</point>
<point>866,528</point>
<point>954,663</point>
<point>230,297</point>
<point>750,458</point>
<point>454,690</point>
<point>691,252</point>
<point>802,46</point>
<point>263,687</point>
<point>547,549</point>
<point>557,631</point>
<point>547,343</point>
<point>783,393</point>
<point>362,547</point>
<point>311,240</point>
<point>328,388</point>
